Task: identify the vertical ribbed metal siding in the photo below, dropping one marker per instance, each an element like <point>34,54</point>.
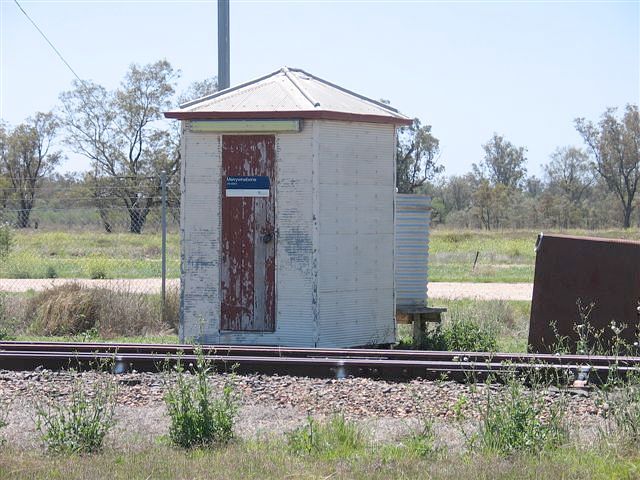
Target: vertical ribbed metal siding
<point>413,218</point>
<point>356,192</point>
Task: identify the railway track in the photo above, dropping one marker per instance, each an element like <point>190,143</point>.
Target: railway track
<point>329,363</point>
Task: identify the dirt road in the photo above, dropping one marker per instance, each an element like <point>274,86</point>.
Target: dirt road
<point>480,291</point>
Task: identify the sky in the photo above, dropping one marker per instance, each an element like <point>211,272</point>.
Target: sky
<point>524,70</point>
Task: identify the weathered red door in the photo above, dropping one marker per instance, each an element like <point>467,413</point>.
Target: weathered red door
<point>248,233</point>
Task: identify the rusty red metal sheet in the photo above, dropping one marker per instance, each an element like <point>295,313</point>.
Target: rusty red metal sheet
<point>572,271</point>
<point>247,273</point>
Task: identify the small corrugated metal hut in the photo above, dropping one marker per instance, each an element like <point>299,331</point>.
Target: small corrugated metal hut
<point>287,215</point>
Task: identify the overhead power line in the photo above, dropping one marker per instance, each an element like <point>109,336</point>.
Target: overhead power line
<point>48,41</point>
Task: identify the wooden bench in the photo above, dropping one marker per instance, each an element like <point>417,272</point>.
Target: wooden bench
<point>419,316</point>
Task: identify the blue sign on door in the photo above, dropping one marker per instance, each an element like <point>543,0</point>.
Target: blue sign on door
<point>256,186</point>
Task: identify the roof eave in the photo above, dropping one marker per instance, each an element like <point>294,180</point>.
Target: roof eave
<point>303,114</point>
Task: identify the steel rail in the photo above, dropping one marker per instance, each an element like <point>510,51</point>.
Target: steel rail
<point>328,363</point>
<point>321,352</point>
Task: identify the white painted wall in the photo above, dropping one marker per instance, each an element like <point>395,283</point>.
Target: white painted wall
<point>200,236</point>
<point>334,244</point>
<point>356,278</point>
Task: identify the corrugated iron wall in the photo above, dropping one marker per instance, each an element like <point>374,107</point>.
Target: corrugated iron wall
<point>356,182</point>
<point>413,218</point>
<point>200,246</point>
<point>294,247</point>
<point>334,243</point>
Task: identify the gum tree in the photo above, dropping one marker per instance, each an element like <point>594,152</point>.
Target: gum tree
<point>615,146</point>
<point>27,157</point>
<point>416,157</point>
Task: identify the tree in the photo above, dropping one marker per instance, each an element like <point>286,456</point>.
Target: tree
<point>27,158</point>
<point>123,134</point>
<point>199,89</point>
<point>491,203</point>
<point>569,174</point>
<point>5,185</point>
<point>503,163</point>
<point>615,146</point>
<point>416,157</point>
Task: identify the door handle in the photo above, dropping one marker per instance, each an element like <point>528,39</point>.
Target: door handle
<point>266,238</point>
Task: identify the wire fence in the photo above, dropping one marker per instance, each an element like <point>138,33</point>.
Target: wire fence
<point>115,239</point>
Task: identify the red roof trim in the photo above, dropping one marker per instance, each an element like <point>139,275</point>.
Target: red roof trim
<point>308,114</point>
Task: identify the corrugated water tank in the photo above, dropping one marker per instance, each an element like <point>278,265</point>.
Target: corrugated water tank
<point>412,222</point>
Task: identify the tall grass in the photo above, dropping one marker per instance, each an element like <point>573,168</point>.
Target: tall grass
<point>72,309</point>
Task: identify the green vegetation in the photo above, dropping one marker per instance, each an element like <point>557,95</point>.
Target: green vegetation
<point>163,339</point>
<point>334,438</point>
<point>470,323</point>
<point>623,411</point>
<point>516,418</point>
<point>461,335</point>
<point>73,311</point>
<point>80,425</point>
<point>38,254</point>
<point>504,255</point>
<point>271,459</point>
<point>198,419</point>
<point>6,240</point>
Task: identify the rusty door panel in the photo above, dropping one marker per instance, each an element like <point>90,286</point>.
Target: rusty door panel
<point>248,237</point>
<point>603,271</point>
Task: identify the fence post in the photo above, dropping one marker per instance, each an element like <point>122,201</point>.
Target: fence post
<point>163,185</point>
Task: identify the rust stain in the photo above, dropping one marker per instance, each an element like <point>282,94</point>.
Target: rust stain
<point>248,237</point>
<point>569,269</point>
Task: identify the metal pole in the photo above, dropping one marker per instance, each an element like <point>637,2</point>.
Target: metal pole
<point>223,45</point>
<point>163,185</point>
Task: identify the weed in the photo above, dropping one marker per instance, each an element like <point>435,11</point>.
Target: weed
<point>334,438</point>
<point>80,425</point>
<point>6,334</point>
<point>422,442</point>
<point>198,419</point>
<point>515,418</point>
<point>619,400</point>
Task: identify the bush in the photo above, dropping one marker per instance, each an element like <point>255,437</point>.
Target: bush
<point>511,420</point>
<point>80,425</point>
<point>461,335</point>
<point>51,272</point>
<point>198,419</point>
<point>335,438</point>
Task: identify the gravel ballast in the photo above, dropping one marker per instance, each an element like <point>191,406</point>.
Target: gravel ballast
<point>270,405</point>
